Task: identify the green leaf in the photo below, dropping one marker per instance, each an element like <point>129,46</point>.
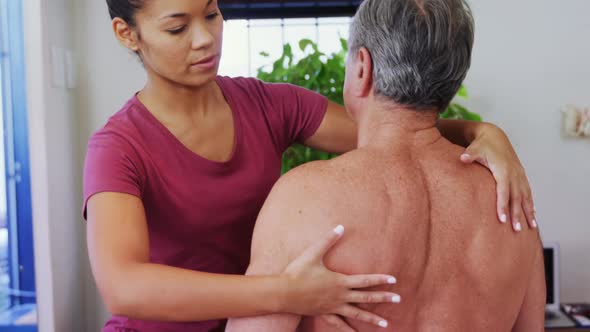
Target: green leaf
<point>467,115</point>
<point>450,113</point>
<point>462,92</point>
<point>287,50</point>
<point>303,43</point>
<point>288,53</point>
<point>264,54</point>
<point>344,44</point>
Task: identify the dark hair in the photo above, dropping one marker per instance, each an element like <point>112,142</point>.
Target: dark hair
<point>421,49</point>
<point>125,9</point>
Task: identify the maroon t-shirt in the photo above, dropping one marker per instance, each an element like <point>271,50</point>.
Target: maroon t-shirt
<point>200,213</point>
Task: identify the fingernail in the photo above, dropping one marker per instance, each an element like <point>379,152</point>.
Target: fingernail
<point>518,227</point>
<point>465,155</point>
<point>391,280</point>
<point>503,218</point>
<point>339,229</point>
<point>383,323</point>
<point>535,225</point>
<point>396,299</point>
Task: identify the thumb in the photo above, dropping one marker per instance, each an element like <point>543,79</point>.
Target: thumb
<point>317,251</point>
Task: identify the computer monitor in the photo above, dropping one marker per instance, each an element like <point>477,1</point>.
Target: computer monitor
<point>551,257</point>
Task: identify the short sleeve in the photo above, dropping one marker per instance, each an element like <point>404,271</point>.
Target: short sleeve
<point>297,112</point>
<point>110,166</point>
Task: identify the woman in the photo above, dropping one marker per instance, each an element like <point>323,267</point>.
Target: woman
<point>174,181</point>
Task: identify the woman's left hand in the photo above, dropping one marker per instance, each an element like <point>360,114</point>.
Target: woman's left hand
<point>492,148</point>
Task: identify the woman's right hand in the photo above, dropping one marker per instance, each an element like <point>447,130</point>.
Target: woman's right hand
<point>315,290</point>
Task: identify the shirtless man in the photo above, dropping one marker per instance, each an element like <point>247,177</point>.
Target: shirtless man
<point>409,207</point>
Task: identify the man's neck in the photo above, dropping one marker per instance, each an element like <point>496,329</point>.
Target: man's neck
<point>391,126</point>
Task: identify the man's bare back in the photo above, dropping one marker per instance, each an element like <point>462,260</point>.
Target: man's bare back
<point>418,213</point>
<point>412,210</point>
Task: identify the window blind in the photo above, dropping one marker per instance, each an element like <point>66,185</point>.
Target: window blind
<point>256,9</point>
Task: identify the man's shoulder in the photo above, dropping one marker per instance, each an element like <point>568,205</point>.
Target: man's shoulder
<point>316,193</point>
<point>307,172</point>
<point>327,177</point>
<point>311,192</point>
<point>304,204</point>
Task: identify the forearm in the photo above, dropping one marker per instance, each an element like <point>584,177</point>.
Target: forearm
<point>158,292</point>
<point>462,132</point>
<point>337,132</point>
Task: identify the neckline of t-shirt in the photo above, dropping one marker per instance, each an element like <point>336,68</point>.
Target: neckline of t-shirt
<point>196,156</point>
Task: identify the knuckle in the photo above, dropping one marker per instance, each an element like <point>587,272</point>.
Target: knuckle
<point>365,317</point>
<point>341,282</point>
<point>503,170</point>
<point>526,197</point>
<point>525,192</point>
<point>529,200</point>
<point>357,315</point>
<point>503,196</point>
<point>517,198</point>
<point>369,318</point>
<point>367,281</point>
<point>365,298</point>
<point>529,210</point>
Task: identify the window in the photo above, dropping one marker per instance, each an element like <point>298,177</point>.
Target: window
<point>17,270</point>
<point>255,26</point>
<point>244,40</point>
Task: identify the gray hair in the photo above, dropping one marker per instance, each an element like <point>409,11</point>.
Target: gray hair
<point>421,49</point>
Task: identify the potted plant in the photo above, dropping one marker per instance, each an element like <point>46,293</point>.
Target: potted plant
<point>324,74</point>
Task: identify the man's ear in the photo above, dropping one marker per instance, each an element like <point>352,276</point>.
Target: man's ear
<point>364,72</point>
<point>126,35</point>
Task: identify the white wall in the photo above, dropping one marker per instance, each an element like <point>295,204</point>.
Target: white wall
<point>55,172</point>
<point>530,59</point>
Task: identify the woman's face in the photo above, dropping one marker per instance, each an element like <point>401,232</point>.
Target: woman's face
<point>180,40</point>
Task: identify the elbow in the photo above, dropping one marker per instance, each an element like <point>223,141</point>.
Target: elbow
<point>119,299</point>
<point>118,305</point>
<point>122,290</point>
